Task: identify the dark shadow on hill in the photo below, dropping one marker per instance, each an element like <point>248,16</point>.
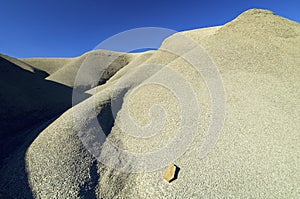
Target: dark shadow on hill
<point>40,73</point>
<point>118,63</point>
<point>29,103</point>
<point>14,177</point>
<point>88,189</point>
<point>176,174</point>
<point>106,119</point>
<point>26,100</point>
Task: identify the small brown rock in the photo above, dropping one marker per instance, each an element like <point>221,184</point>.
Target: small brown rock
<point>171,173</point>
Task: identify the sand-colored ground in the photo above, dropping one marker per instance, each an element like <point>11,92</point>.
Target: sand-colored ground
<point>257,153</point>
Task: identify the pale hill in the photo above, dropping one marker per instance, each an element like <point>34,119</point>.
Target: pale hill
<point>49,65</point>
<point>256,156</point>
<point>64,70</point>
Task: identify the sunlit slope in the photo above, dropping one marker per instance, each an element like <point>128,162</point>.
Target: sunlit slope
<point>64,70</point>
<point>49,65</point>
<point>257,154</point>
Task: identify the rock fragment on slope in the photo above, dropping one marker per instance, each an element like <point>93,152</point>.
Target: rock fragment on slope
<point>171,173</point>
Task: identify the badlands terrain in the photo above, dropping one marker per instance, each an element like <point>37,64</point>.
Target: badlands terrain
<point>50,116</point>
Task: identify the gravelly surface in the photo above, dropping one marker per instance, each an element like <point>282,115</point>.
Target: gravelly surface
<point>256,156</point>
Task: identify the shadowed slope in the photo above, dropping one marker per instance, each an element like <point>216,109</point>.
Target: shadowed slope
<point>28,102</point>
<point>26,99</point>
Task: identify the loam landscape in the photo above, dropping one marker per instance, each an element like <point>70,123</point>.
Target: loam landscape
<point>44,129</point>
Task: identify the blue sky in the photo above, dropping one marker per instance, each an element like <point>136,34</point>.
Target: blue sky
<point>52,28</point>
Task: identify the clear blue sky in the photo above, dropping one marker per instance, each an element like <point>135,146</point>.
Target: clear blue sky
<point>61,28</point>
